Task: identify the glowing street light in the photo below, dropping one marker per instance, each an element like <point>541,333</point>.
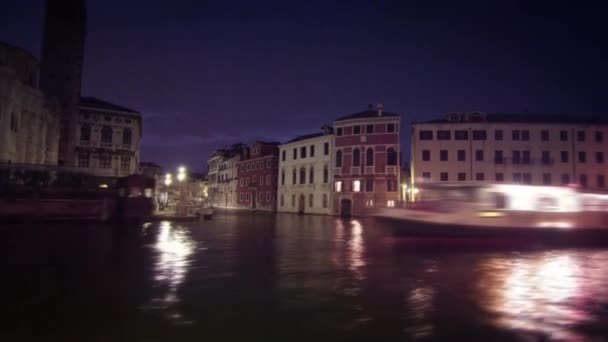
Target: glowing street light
<point>181,175</point>
<point>168,179</point>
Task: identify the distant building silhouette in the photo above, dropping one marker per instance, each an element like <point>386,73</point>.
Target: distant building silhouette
<point>61,67</point>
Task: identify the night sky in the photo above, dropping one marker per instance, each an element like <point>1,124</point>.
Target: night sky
<point>210,73</point>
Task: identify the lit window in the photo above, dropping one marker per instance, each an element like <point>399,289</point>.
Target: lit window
<point>338,186</point>
<point>390,203</point>
<point>369,203</point>
<point>357,186</point>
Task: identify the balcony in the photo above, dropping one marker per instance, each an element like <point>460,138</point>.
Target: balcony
<point>391,170</point>
<point>369,170</point>
<point>355,170</point>
<point>337,171</point>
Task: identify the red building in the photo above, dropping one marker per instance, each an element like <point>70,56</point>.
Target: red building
<point>257,177</point>
<point>366,162</point>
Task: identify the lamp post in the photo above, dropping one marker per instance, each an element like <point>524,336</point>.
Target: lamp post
<point>165,198</point>
<point>181,177</point>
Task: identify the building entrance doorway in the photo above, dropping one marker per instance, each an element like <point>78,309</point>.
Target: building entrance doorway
<point>346,206</point>
<point>253,198</point>
<point>301,204</point>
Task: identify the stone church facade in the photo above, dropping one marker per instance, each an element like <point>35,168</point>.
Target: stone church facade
<point>29,120</point>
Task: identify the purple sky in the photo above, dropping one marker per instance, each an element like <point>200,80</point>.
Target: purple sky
<point>209,73</point>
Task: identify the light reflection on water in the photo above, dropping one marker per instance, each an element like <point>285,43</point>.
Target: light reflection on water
<point>174,246</point>
<point>543,293</point>
<point>356,249</point>
<point>420,302</point>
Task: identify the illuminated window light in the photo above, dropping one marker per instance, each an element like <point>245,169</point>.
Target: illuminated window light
<point>338,186</point>
<point>357,186</point>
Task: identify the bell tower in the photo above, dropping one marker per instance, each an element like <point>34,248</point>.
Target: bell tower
<point>61,66</point>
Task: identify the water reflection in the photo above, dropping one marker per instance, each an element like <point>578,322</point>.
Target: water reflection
<point>174,247</point>
<point>542,293</point>
<point>420,302</point>
<point>356,249</point>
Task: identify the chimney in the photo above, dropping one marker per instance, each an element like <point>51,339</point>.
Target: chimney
<point>380,107</point>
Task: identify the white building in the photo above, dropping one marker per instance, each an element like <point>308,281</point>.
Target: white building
<point>511,148</point>
<point>223,177</point>
<point>228,181</point>
<point>107,140</point>
<point>305,174</point>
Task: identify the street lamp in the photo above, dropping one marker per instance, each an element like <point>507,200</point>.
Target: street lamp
<point>181,173</point>
<point>168,179</point>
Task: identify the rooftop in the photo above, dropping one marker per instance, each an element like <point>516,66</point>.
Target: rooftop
<point>520,118</point>
<point>367,114</point>
<point>267,142</point>
<point>18,48</point>
<point>305,136</point>
<point>93,102</point>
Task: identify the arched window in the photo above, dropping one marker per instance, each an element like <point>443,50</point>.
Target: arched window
<point>339,158</point>
<point>391,157</point>
<point>126,136</point>
<point>106,134</point>
<point>369,157</point>
<point>302,175</point>
<point>356,157</point>
<point>85,133</point>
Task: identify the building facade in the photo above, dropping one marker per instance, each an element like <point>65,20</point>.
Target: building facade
<point>366,165</point>
<point>228,181</point>
<point>223,173</point>
<point>213,166</point>
<point>511,148</point>
<point>29,120</point>
<point>107,140</point>
<point>305,174</point>
<point>257,177</point>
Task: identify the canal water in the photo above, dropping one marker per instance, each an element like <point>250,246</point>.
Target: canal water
<point>261,277</point>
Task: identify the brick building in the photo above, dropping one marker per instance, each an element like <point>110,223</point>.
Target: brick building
<point>257,177</point>
<point>366,165</point>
